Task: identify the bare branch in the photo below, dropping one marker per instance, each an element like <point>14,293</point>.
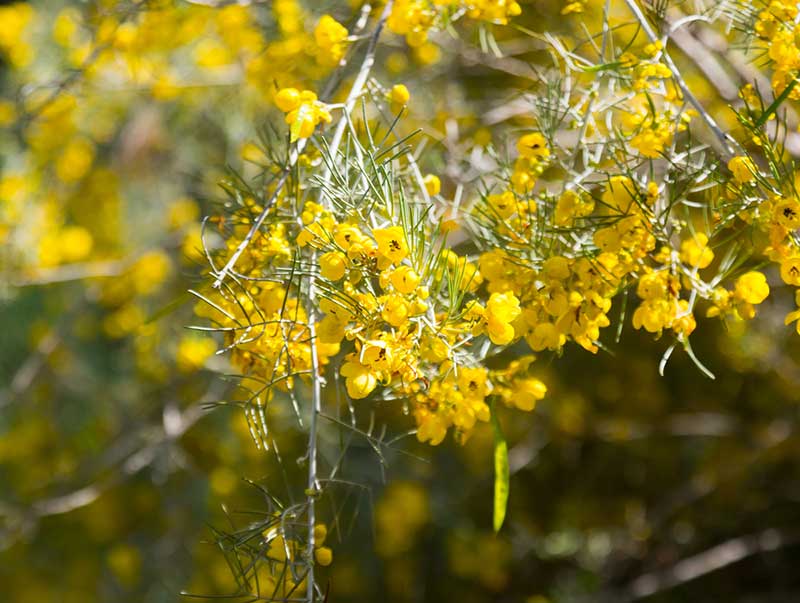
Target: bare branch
<point>713,559</point>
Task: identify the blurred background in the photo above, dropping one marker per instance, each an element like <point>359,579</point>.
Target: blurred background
<point>117,121</point>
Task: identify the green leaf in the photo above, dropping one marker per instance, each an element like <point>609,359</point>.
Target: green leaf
<point>501,474</point>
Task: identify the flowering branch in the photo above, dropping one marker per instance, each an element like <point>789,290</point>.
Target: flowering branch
<point>728,143</point>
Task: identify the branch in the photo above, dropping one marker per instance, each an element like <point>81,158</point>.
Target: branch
<point>174,425</point>
<point>29,369</point>
<point>717,557</point>
<point>72,272</point>
<point>311,306</point>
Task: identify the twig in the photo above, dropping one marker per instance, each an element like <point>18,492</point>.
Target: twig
<point>515,67</point>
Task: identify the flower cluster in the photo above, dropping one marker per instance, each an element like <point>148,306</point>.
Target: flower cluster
<point>394,313</point>
<point>414,19</point>
<point>777,30</point>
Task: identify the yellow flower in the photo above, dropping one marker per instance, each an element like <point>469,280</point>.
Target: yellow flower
<point>150,272</point>
<point>7,113</point>
<point>504,204</point>
<point>493,11</point>
<point>391,243</point>
<point>503,307</point>
<point>330,36</point>
<point>75,160</point>
<point>347,235</point>
<point>752,287</point>
<point>287,99</point>
<point>620,194</point>
<point>323,556</point>
<point>527,392</point>
<point>125,561</point>
<point>331,329</point>
<point>14,20</point>
<point>333,265</point>
<point>533,146</point>
<point>652,138</point>
<point>684,323</point>
<point>359,381</point>
<point>794,316</point>
<point>395,310</point>
<point>193,352</point>
<point>571,205</point>
<point>654,315</point>
<point>399,95</point>
<point>695,251</point>
<point>545,336</point>
<point>75,243</point>
<point>430,428</point>
<point>500,333</point>
<point>377,355</point>
<point>412,19</point>
<point>790,271</point>
<point>211,54</point>
<point>787,214</point>
<point>432,184</point>
<point>404,279</point>
<point>472,382</point>
<point>182,212</point>
<point>305,118</point>
<point>320,534</point>
<point>743,169</point>
<point>124,321</point>
<point>654,285</point>
<point>303,111</point>
<point>556,268</point>
<point>573,7</point>
<point>501,310</point>
<point>607,239</point>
